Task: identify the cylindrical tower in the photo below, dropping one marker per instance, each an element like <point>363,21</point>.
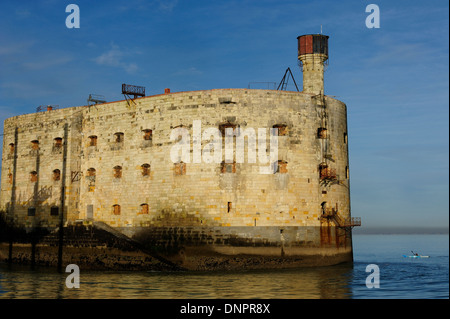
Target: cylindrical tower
<point>312,54</point>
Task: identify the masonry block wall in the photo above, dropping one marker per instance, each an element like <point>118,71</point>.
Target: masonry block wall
<point>114,162</point>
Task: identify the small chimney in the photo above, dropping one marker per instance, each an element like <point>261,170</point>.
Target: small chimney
<point>313,53</point>
<point>166,91</point>
<point>49,107</point>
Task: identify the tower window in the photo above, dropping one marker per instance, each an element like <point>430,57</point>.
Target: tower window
<point>229,207</point>
<point>118,137</point>
<point>33,176</point>
<point>117,171</point>
<point>116,209</point>
<point>324,208</point>
<point>91,172</point>
<point>147,135</point>
<point>92,140</point>
<point>180,168</point>
<point>282,129</point>
<point>54,211</point>
<point>11,148</point>
<point>322,132</point>
<point>56,175</point>
<point>57,142</point>
<point>145,169</point>
<point>10,178</point>
<point>144,208</point>
<point>345,137</point>
<point>35,145</point>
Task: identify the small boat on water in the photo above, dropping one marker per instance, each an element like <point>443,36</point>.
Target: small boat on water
<point>415,255</point>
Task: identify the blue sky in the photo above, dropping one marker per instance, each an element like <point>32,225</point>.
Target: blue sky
<point>394,80</point>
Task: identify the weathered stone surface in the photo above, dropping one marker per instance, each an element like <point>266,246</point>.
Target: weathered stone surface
<point>205,196</point>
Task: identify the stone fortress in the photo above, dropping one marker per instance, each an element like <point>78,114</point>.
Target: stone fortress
<point>110,163</point>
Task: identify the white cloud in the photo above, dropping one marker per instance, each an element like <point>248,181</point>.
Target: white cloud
<point>114,57</point>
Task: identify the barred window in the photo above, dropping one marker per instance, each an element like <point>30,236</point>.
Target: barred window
<point>144,208</point>
<point>118,137</point>
<point>35,145</point>
<point>33,176</point>
<point>92,140</point>
<point>57,142</point>
<point>91,172</point>
<point>116,209</point>
<point>145,169</point>
<point>322,132</point>
<point>56,174</point>
<point>147,135</point>
<point>117,171</point>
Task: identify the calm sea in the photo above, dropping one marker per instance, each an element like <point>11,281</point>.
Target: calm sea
<point>399,278</point>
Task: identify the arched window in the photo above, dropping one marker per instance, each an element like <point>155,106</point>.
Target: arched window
<point>56,174</point>
<point>118,137</point>
<point>11,148</point>
<point>324,208</point>
<point>322,132</point>
<point>144,208</point>
<point>35,145</point>
<point>33,176</point>
<point>92,140</point>
<point>116,209</point>
<point>91,172</point>
<point>90,177</point>
<point>117,171</point>
<point>57,142</point>
<point>323,170</point>
<point>147,135</point>
<point>145,169</point>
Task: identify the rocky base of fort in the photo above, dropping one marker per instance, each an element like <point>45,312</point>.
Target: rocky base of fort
<point>101,247</point>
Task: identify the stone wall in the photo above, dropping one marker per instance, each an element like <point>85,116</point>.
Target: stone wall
<point>204,195</point>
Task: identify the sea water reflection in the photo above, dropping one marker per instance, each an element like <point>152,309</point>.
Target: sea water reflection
<point>309,283</point>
